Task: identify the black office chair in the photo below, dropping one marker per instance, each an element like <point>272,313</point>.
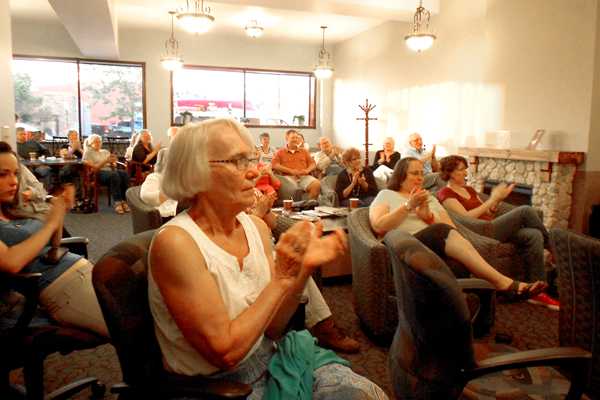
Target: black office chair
<point>28,336</point>
<point>120,279</point>
<point>433,354</point>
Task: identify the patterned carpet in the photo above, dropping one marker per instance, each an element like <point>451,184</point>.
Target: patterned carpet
<point>530,326</point>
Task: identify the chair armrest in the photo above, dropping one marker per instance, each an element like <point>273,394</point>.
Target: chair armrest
<point>479,226</point>
<point>574,360</point>
<point>76,244</point>
<point>187,386</point>
<point>471,285</point>
<point>482,318</point>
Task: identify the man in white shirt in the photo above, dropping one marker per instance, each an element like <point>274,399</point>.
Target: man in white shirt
<point>329,159</point>
<point>430,163</point>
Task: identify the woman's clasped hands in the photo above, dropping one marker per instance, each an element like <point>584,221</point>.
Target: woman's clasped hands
<point>419,200</point>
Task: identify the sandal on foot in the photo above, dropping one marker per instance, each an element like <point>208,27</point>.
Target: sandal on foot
<point>119,209</point>
<point>126,207</point>
<point>512,294</point>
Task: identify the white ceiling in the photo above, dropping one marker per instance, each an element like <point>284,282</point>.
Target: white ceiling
<point>94,24</point>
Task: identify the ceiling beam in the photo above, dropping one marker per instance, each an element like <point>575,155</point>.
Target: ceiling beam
<point>92,24</point>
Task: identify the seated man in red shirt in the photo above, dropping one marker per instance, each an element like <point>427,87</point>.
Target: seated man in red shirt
<point>296,164</point>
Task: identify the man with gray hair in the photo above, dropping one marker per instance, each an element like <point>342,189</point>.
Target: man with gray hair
<point>430,164</point>
<point>329,159</point>
<point>26,146</point>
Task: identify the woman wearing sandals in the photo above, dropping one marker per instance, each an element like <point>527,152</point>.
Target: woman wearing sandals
<point>521,226</point>
<point>405,205</point>
<point>108,174</point>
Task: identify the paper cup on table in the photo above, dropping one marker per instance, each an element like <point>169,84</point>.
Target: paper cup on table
<point>287,204</point>
<point>32,156</point>
<point>353,202</point>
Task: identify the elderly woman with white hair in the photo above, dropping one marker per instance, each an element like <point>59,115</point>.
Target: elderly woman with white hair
<point>217,297</point>
<point>108,174</point>
<point>385,160</point>
<point>151,192</point>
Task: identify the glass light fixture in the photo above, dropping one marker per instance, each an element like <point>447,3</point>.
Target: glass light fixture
<point>173,59</point>
<point>323,70</point>
<point>420,41</point>
<point>253,29</point>
<point>198,21</point>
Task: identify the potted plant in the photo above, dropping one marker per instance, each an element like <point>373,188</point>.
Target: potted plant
<point>299,118</point>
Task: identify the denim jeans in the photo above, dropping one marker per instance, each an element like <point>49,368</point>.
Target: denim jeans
<point>46,174</point>
<point>117,180</point>
<point>523,227</point>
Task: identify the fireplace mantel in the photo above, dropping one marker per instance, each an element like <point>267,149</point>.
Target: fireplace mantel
<point>549,173</point>
<point>559,157</point>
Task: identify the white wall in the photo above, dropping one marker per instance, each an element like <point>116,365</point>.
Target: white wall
<point>496,65</point>
<point>209,50</point>
<point>7,103</point>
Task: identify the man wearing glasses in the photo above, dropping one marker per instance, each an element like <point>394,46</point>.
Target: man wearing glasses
<point>329,159</point>
<point>296,164</point>
<point>430,163</point>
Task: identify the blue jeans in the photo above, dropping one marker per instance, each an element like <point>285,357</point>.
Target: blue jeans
<point>117,180</point>
<point>331,382</point>
<point>46,174</point>
<point>523,227</point>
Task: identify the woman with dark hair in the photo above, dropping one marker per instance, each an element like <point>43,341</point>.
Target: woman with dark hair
<point>266,152</point>
<point>26,245</point>
<point>405,205</point>
<point>355,181</point>
<point>521,226</point>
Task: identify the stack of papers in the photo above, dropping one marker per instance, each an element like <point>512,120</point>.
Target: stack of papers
<point>340,212</point>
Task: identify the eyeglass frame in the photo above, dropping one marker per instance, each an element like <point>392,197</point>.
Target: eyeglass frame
<point>417,173</point>
<point>238,162</point>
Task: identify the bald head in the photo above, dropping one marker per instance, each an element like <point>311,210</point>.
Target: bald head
<point>415,141</point>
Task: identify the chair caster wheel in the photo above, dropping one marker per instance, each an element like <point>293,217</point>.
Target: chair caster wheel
<point>98,390</point>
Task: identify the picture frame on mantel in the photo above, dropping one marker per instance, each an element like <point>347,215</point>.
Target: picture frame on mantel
<point>536,139</point>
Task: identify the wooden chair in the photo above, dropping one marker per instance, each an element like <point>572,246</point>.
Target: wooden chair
<point>91,185</point>
<point>135,171</point>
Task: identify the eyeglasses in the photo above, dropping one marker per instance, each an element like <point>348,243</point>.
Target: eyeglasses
<point>240,163</point>
<point>417,173</point>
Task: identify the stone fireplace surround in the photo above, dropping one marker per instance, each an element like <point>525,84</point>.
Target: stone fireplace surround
<point>551,173</point>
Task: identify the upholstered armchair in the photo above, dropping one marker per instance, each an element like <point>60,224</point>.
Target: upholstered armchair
<point>577,258</point>
<point>372,282</point>
<point>433,353</point>
<point>287,190</point>
<point>143,216</point>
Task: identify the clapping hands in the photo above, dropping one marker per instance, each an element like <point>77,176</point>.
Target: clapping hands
<point>501,192</point>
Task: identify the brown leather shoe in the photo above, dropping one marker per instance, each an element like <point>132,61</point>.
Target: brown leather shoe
<point>330,336</point>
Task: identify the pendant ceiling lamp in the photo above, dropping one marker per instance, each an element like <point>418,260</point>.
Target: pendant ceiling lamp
<point>173,59</point>
<point>419,40</point>
<point>253,29</point>
<point>198,21</point>
<point>323,70</point>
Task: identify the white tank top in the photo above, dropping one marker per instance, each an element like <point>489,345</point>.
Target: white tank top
<point>239,289</point>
